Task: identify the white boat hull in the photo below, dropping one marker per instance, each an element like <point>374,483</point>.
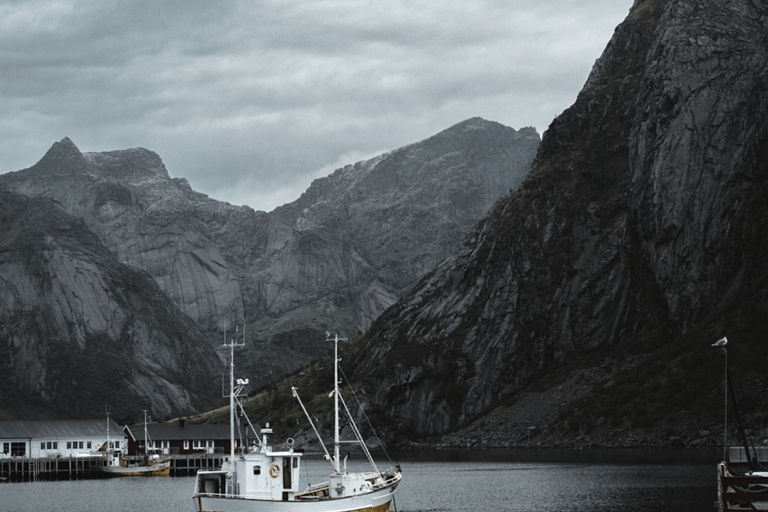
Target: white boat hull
<point>376,501</point>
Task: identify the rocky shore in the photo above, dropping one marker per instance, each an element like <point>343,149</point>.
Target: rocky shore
<point>539,418</point>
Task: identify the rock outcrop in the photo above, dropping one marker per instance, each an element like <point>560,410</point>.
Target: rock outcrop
<point>641,229</point>
<point>80,330</point>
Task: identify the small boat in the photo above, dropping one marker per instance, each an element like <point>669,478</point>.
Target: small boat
<point>260,479</point>
<point>740,488</point>
<point>116,465</point>
<point>742,483</point>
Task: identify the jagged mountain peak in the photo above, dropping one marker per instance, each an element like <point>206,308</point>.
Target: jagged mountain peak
<point>446,165</point>
<point>64,159</point>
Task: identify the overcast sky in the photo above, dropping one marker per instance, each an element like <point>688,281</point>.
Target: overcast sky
<point>250,100</point>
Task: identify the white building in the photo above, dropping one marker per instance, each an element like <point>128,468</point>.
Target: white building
<point>57,438</point>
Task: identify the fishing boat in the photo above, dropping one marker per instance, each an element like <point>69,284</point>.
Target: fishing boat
<point>259,478</point>
<point>742,481</point>
<point>116,465</point>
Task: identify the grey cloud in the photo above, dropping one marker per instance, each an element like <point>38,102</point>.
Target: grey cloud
<point>267,93</point>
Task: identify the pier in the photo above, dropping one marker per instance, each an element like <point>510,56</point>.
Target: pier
<point>21,469</point>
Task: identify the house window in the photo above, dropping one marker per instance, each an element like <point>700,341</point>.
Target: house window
<point>6,447</point>
<point>18,449</point>
<point>186,444</point>
<point>89,445</point>
<point>69,445</point>
<point>50,445</point>
<point>81,445</point>
<point>42,446</point>
<point>55,445</point>
<point>196,444</point>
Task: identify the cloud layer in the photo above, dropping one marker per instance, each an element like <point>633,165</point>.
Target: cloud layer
<point>251,100</point>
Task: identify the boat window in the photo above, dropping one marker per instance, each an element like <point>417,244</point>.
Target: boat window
<point>256,470</point>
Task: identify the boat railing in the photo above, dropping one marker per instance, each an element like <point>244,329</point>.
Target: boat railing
<point>383,479</point>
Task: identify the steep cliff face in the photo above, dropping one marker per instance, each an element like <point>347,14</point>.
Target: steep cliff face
<point>698,147</point>
<point>643,217</point>
<point>148,219</point>
<point>357,240</point>
<point>79,330</point>
<point>332,260</point>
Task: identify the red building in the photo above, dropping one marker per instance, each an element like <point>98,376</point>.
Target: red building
<point>179,439</point>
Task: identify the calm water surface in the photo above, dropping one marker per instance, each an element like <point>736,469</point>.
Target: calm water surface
<point>574,483</point>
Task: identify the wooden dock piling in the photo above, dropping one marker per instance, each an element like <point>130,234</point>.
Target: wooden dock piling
<point>19,469</point>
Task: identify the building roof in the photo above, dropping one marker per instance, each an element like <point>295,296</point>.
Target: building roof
<point>213,431</point>
<point>57,429</point>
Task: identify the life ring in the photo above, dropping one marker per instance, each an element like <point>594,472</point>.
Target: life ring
<point>274,470</point>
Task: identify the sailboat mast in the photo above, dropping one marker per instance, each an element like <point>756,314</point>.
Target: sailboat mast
<point>109,442</point>
<point>336,464</point>
<point>145,434</point>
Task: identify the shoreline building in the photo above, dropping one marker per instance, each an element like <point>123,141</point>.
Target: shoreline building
<point>57,438</point>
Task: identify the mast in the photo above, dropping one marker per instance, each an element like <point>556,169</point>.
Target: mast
<point>231,407</point>
<point>231,345</point>
<point>336,464</point>
<point>336,440</point>
<point>109,443</point>
<point>145,435</point>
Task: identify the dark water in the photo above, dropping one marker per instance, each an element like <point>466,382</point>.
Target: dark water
<point>443,481</point>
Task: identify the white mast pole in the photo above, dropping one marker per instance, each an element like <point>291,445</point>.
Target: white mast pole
<point>336,463</point>
<point>109,442</point>
<point>231,407</point>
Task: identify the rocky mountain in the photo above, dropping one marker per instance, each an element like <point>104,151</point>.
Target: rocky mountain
<point>584,305</point>
<point>334,259</point>
<point>81,331</point>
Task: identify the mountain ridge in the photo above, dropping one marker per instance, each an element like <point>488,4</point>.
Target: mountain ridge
<point>332,260</point>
